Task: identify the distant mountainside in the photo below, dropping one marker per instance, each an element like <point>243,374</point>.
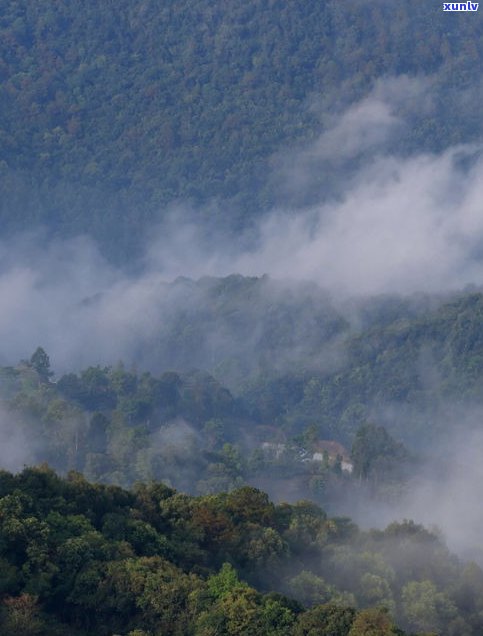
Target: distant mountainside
<point>236,327</point>
<point>111,111</point>
<point>299,356</point>
<point>239,359</point>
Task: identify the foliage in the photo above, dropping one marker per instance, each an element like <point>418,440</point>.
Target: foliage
<point>112,111</point>
<point>90,559</point>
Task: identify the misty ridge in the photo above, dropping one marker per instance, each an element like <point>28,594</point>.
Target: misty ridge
<point>389,224</point>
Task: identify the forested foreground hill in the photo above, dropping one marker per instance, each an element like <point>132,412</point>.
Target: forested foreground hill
<point>87,559</point>
<point>109,111</point>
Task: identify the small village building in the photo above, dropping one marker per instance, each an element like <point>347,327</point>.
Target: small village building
<point>332,452</point>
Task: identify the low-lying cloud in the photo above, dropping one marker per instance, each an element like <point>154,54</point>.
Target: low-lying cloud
<point>407,225</point>
<point>401,223</point>
<point>396,222</point>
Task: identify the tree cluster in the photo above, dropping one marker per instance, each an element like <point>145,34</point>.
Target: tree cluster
<point>88,559</point>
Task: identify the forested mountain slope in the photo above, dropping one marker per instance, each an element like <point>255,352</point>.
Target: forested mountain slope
<point>296,356</point>
<point>418,374</point>
<point>254,380</point>
<point>67,546</point>
<point>88,559</point>
<point>232,326</point>
<point>108,112</point>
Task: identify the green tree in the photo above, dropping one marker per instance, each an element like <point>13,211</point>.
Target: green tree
<point>425,608</point>
<point>325,620</point>
<point>225,582</point>
<point>375,453</point>
<point>40,361</point>
<point>244,615</point>
<point>310,589</point>
<point>21,616</point>
<point>373,622</point>
<point>375,590</point>
<point>277,619</point>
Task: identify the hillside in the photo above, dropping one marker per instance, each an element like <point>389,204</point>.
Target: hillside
<point>109,113</point>
<point>406,369</point>
<point>237,364</point>
<point>87,559</point>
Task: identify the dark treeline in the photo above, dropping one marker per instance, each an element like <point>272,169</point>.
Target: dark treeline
<point>88,559</point>
<point>111,111</point>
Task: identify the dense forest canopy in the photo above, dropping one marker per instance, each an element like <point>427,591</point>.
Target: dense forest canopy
<point>108,113</point>
<point>87,559</point>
